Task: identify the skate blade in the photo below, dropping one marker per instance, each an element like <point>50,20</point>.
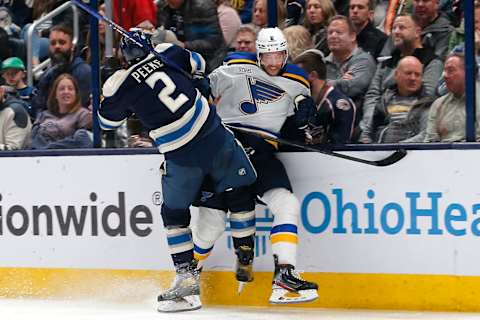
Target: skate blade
<point>241,285</point>
<point>283,296</point>
<point>187,303</point>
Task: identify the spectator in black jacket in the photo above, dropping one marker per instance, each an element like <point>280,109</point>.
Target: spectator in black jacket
<point>369,38</point>
<point>196,25</point>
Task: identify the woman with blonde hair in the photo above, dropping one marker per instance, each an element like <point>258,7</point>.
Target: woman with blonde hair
<point>298,39</point>
<point>63,125</point>
<point>317,17</point>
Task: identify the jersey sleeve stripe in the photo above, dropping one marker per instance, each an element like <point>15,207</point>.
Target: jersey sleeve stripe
<point>197,62</point>
<point>106,124</point>
<point>183,130</point>
<point>297,78</point>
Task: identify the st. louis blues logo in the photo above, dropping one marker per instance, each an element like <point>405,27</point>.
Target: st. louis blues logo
<point>263,226</point>
<point>260,92</point>
<point>205,196</point>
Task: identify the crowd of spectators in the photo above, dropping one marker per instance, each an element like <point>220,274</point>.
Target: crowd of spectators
<point>401,63</point>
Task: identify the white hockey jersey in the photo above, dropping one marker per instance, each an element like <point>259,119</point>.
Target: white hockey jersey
<point>250,97</point>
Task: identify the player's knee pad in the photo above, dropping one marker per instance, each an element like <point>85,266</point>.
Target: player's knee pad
<point>240,199</point>
<point>175,217</point>
<point>283,204</point>
<point>209,227</point>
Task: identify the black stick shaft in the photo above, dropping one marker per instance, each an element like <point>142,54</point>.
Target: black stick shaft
<point>127,34</point>
<point>391,159</point>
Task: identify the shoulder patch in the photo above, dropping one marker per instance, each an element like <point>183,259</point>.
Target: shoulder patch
<point>114,82</point>
<point>294,72</point>
<point>343,104</point>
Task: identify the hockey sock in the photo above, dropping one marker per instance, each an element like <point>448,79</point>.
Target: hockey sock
<point>242,225</point>
<point>283,236</point>
<point>284,241</point>
<point>209,226</point>
<point>180,245</point>
<point>244,241</point>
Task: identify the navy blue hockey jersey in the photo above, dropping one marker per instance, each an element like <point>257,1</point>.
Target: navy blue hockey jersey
<point>336,114</point>
<point>163,98</point>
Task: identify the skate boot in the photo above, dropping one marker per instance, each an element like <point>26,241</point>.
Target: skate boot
<point>289,287</point>
<point>244,266</point>
<point>184,294</point>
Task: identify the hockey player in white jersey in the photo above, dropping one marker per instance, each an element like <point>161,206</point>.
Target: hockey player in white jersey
<point>259,93</point>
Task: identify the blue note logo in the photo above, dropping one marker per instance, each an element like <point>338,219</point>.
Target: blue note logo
<point>260,92</point>
<point>205,196</point>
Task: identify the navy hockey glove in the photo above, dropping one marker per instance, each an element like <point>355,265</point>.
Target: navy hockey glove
<point>203,85</point>
<point>316,135</point>
<point>305,110</point>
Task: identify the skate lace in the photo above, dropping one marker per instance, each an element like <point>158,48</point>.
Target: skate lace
<point>296,274</point>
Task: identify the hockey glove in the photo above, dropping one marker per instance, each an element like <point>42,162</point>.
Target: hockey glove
<point>305,110</point>
<point>203,85</point>
<point>316,135</point>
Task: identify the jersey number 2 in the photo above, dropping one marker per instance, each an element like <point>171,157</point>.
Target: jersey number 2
<point>164,95</point>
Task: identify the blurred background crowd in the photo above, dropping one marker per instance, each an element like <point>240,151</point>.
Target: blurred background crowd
<point>401,62</point>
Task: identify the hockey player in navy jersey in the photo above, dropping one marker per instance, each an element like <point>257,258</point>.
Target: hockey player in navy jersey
<point>258,93</point>
<point>194,142</point>
<point>334,121</point>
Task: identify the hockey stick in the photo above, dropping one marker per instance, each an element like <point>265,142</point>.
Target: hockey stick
<point>128,35</point>
<point>391,159</point>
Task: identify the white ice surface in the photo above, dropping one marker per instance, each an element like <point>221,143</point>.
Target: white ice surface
<point>20,309</point>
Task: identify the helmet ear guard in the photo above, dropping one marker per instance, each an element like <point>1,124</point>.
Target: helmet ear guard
<point>271,40</point>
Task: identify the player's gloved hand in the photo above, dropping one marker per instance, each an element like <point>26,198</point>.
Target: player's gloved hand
<point>305,109</point>
<point>249,151</point>
<point>315,135</point>
<point>365,138</point>
<point>203,85</point>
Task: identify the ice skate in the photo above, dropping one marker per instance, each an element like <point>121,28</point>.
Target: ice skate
<point>184,294</point>
<point>244,266</point>
<point>289,287</point>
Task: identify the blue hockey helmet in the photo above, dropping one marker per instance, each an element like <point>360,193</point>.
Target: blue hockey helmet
<point>136,46</point>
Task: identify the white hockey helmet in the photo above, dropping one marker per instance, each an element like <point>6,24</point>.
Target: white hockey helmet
<point>271,40</point>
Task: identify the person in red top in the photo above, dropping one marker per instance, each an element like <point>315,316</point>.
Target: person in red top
<point>135,13</point>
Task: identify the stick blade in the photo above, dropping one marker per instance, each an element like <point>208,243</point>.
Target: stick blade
<point>391,159</point>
